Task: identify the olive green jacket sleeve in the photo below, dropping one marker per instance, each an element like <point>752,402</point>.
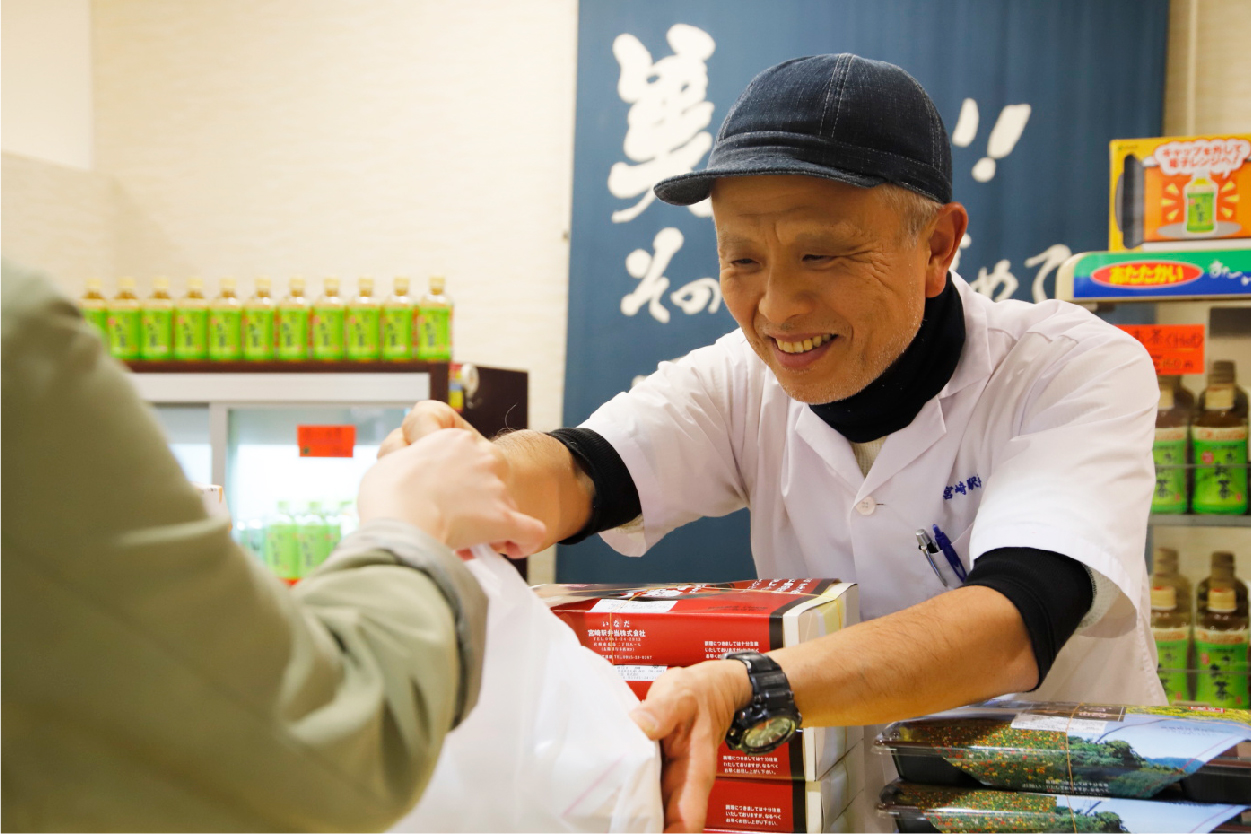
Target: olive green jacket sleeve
<point>156,677</point>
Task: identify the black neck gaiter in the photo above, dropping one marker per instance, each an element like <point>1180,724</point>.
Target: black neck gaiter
<point>894,399</point>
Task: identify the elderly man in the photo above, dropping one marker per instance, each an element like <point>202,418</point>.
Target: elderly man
<point>869,399</point>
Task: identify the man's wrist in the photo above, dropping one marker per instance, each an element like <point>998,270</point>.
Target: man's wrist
<point>737,684</point>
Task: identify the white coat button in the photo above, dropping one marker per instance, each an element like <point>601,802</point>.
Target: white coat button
<point>866,506</point>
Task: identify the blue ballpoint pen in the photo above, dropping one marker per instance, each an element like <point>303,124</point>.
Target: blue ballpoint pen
<point>944,544</point>
<point>928,548</point>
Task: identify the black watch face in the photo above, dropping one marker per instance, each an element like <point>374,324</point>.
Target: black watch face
<point>769,732</point>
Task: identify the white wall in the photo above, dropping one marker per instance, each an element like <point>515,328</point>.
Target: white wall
<point>45,71</point>
<point>318,137</point>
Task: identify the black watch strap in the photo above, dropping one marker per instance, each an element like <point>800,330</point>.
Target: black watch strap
<point>771,697</point>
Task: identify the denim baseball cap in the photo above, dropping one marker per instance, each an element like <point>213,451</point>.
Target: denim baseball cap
<point>838,117</point>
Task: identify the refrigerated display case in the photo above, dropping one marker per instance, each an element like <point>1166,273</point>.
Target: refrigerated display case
<point>235,424</point>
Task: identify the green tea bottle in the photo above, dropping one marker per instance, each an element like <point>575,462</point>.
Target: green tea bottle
<point>363,323</point>
<point>397,322</point>
<point>226,324</point>
<point>292,320</point>
<point>1200,196</point>
<point>94,307</point>
<point>125,326</point>
<point>1219,436</point>
<point>1221,640</point>
<point>157,321</point>
<point>1170,626</point>
<point>282,545</point>
<point>1172,427</point>
<point>191,323</point>
<point>328,323</point>
<point>433,323</point>
<point>308,533</point>
<point>258,324</point>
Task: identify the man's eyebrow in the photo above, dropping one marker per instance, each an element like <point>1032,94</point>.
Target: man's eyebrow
<point>726,240</point>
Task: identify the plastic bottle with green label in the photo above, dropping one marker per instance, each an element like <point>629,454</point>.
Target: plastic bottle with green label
<point>1200,196</point>
<point>226,324</point>
<point>363,324</point>
<point>1221,644</point>
<point>157,323</point>
<point>328,323</point>
<point>258,324</point>
<point>125,327</point>
<point>1170,496</point>
<point>1170,626</point>
<point>282,545</point>
<point>310,526</point>
<point>291,317</point>
<point>1219,440</point>
<point>191,323</point>
<point>94,307</point>
<point>433,323</point>
<point>327,533</point>
<point>397,323</point>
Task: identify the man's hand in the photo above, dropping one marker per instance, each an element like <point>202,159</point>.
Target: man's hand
<point>425,418</point>
<point>689,711</point>
<point>452,484</point>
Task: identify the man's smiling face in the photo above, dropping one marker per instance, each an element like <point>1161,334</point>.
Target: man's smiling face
<point>825,279</point>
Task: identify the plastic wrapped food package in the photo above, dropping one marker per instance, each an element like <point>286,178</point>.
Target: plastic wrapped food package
<point>1201,755</point>
<point>929,808</point>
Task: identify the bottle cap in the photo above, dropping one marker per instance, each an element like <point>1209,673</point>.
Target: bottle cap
<point>94,284</point>
<point>160,284</point>
<point>261,283</point>
<point>283,506</point>
<point>195,283</point>
<point>1222,372</point>
<point>400,285</point>
<point>365,285</point>
<point>437,284</point>
<point>1164,598</point>
<point>226,284</point>
<point>1164,562</point>
<point>125,283</point>
<point>296,284</point>
<point>332,286</point>
<point>1221,599</point>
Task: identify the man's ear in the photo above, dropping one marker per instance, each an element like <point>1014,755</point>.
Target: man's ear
<point>945,233</point>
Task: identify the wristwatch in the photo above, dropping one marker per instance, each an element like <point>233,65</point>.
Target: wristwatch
<point>770,718</point>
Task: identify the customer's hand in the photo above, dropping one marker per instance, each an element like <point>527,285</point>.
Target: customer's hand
<point>689,711</point>
<point>452,484</point>
<point>426,417</point>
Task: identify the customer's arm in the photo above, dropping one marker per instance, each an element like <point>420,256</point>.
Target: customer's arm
<point>156,676</point>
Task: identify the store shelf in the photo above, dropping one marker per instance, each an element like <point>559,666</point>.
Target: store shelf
<point>1201,520</point>
<point>290,382</point>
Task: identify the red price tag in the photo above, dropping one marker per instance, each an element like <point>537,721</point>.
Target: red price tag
<point>1175,348</point>
<point>325,441</point>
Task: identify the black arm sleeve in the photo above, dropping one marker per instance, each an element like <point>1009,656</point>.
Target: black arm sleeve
<point>616,499</point>
<point>1051,591</point>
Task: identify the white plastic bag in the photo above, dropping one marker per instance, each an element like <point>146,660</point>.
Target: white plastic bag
<point>550,745</point>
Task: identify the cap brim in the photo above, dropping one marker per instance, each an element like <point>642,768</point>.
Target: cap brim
<point>688,189</point>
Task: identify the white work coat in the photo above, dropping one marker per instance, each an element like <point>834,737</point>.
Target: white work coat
<point>1041,438</point>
